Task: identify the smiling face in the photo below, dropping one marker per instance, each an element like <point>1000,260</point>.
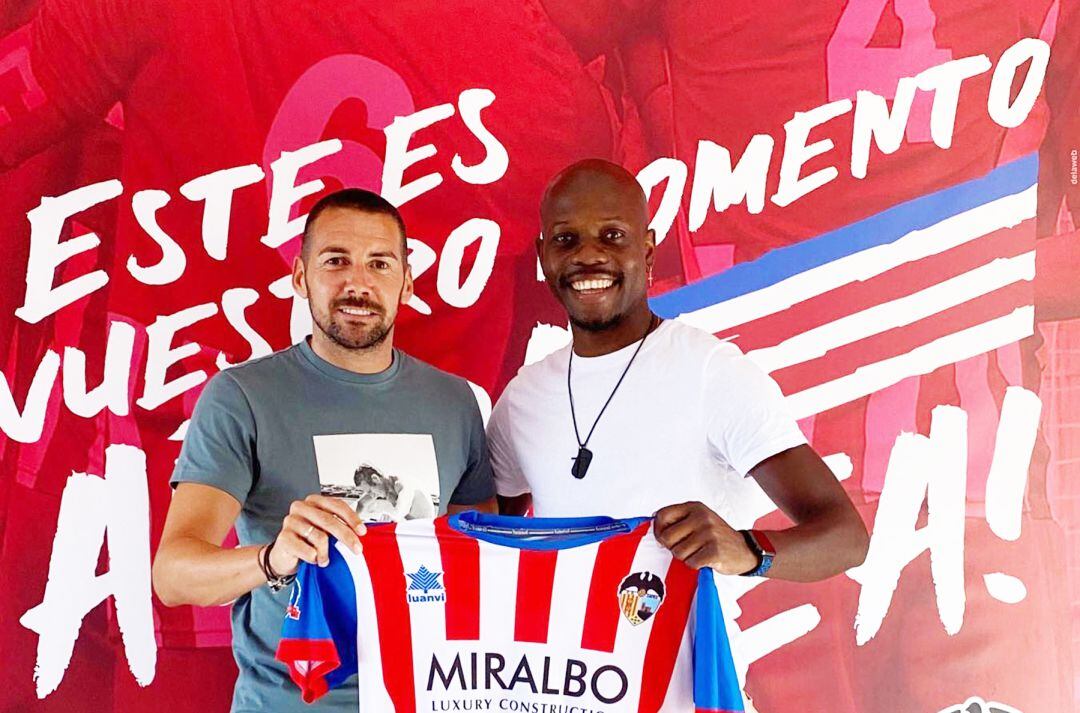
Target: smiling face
<point>596,248</point>
<point>354,277</point>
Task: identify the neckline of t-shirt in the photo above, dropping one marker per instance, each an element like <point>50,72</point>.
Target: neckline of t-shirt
<point>336,372</point>
<point>528,533</point>
<point>619,357</point>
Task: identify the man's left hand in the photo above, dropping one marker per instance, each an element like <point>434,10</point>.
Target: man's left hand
<point>700,538</point>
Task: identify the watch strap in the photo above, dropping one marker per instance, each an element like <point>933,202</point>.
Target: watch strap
<point>760,544</point>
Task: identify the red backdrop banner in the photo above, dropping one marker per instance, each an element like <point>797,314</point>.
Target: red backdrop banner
<point>875,199</point>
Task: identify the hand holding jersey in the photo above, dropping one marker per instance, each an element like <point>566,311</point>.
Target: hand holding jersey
<point>307,529</point>
<point>700,538</point>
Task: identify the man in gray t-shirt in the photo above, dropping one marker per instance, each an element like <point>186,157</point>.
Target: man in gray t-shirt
<point>309,442</point>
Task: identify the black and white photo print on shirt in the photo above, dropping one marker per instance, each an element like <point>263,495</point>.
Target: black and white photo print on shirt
<point>384,476</point>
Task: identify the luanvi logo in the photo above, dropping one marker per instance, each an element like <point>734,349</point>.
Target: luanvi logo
<point>424,586</point>
<point>978,705</point>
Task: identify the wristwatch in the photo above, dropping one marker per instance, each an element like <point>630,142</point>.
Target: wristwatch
<point>760,545</point>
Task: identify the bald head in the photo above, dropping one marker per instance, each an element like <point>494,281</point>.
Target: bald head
<point>596,249</point>
<point>590,176</point>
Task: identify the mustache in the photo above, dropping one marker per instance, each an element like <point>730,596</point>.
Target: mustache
<point>360,304</point>
<point>567,278</point>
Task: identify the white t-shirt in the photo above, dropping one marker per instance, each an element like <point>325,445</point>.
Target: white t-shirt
<point>692,416</point>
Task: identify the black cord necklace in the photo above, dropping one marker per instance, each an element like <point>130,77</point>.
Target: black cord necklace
<point>584,456</point>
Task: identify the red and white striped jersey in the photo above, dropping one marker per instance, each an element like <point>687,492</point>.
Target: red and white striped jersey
<point>484,612</point>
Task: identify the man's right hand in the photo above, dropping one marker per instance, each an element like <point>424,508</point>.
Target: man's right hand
<point>305,533</point>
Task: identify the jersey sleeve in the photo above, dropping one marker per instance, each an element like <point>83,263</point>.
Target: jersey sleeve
<point>318,638</point>
<point>716,685</point>
<point>748,419</point>
<point>509,479</point>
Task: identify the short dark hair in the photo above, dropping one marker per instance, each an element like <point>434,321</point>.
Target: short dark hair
<point>353,199</point>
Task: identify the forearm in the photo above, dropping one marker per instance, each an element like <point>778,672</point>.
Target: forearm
<point>190,571</point>
<point>820,547</point>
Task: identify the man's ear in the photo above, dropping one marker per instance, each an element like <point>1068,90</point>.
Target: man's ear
<point>650,247</point>
<point>407,288</point>
<point>299,284</point>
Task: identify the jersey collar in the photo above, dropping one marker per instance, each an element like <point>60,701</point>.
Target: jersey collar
<point>541,533</point>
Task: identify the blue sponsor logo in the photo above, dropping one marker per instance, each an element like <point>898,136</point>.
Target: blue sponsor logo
<point>424,586</point>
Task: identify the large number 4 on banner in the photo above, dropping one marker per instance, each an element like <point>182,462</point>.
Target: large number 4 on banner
<point>853,64</point>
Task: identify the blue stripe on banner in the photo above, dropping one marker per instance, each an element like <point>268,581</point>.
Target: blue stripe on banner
<point>879,229</point>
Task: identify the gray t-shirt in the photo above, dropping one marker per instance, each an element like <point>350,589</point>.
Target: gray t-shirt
<point>398,444</point>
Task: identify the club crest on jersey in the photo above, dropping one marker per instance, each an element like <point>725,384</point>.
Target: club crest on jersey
<point>292,609</point>
<point>424,586</point>
<point>640,595</point>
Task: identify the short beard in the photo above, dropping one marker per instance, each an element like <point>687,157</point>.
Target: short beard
<point>368,340</point>
<point>598,325</point>
<point>371,339</point>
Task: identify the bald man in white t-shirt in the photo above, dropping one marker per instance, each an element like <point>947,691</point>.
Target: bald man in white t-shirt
<point>641,416</point>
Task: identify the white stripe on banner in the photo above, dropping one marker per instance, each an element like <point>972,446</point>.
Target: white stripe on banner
<point>962,228</point>
<point>966,343</point>
<point>883,317</point>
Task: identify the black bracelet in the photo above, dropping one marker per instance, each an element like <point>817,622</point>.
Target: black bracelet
<point>276,581</point>
<point>259,559</point>
<point>267,569</point>
<point>753,546</point>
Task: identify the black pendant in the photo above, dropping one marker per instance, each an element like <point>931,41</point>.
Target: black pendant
<point>581,463</point>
